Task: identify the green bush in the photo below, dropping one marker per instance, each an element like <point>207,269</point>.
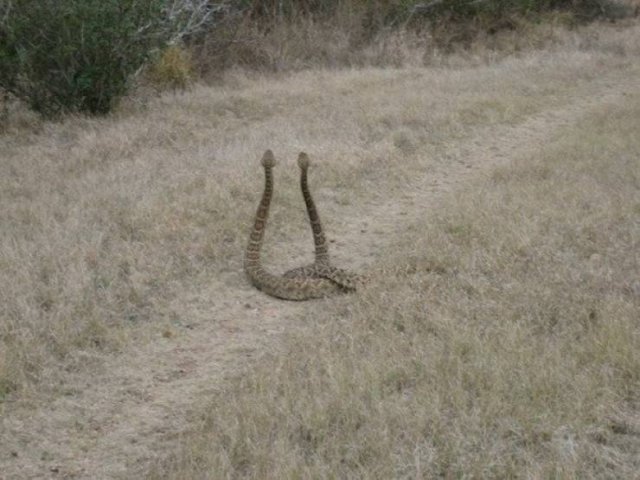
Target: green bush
<point>75,55</point>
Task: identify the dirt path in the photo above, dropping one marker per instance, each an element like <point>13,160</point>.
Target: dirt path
<point>115,424</point>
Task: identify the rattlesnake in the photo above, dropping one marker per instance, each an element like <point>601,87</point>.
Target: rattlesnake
<point>317,280</point>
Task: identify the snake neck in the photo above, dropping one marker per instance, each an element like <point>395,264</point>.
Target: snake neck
<point>252,257</point>
<point>319,240</point>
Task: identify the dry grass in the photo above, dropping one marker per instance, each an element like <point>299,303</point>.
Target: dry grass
<point>501,340</point>
<point>357,34</point>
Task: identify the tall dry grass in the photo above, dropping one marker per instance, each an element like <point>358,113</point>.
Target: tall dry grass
<point>500,340</point>
<point>291,36</point>
<point>104,222</point>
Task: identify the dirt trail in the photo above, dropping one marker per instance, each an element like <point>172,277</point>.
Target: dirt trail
<point>115,424</point>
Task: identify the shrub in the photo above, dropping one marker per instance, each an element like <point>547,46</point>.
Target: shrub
<point>75,55</point>
<point>172,69</point>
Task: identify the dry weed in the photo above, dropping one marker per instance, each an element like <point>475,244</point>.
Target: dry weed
<point>173,69</point>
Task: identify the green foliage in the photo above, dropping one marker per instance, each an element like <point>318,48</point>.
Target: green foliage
<point>74,55</point>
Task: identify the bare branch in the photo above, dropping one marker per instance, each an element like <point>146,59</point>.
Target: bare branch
<point>189,17</point>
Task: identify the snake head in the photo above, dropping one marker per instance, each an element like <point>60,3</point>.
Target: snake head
<point>268,160</point>
<point>303,161</point>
